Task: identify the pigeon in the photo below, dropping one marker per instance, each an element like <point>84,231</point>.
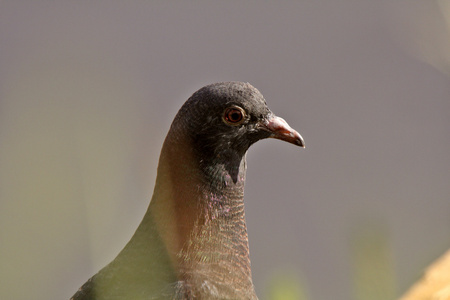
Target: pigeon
<point>192,242</point>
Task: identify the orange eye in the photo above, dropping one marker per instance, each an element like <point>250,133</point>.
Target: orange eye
<point>234,115</point>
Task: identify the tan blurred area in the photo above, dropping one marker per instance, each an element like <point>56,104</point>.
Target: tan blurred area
<point>425,32</point>
<point>435,284</point>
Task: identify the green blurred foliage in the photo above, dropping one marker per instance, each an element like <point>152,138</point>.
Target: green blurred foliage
<point>286,286</point>
<point>374,277</point>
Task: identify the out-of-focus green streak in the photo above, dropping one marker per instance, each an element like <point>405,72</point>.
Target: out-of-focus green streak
<point>372,262</point>
<point>286,286</point>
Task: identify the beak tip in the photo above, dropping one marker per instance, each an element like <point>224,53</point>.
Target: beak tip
<point>299,141</point>
<point>281,130</point>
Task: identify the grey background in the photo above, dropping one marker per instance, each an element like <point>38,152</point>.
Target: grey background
<point>88,91</point>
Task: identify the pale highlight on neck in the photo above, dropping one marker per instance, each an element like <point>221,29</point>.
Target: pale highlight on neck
<point>203,227</point>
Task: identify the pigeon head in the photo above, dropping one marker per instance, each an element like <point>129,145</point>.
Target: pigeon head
<point>192,242</point>
<point>223,120</point>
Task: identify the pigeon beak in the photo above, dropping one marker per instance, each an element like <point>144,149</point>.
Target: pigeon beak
<point>281,130</point>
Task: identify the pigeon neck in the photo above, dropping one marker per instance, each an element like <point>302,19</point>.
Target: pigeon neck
<point>199,212</point>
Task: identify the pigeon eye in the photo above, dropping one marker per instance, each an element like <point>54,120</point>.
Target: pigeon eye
<point>234,115</point>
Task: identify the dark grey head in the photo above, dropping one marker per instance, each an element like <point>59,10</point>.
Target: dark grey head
<point>224,119</point>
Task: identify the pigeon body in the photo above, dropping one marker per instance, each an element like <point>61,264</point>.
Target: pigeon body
<point>192,242</point>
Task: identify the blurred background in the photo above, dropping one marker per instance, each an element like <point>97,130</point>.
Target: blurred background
<point>88,91</point>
